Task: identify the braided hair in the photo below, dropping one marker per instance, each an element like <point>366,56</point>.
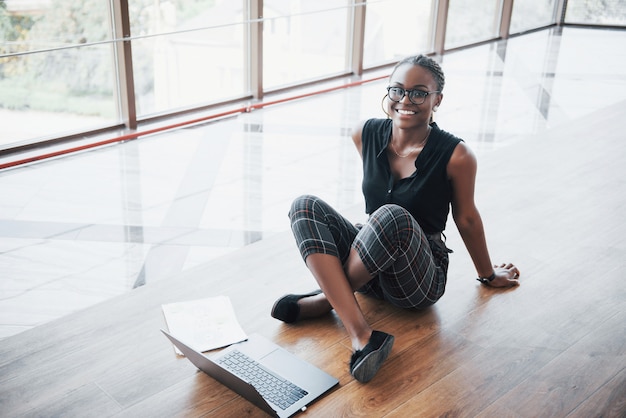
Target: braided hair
<point>428,63</point>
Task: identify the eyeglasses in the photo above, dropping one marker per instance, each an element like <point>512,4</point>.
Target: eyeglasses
<point>396,94</point>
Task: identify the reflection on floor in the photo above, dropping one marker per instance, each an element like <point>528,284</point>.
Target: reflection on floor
<point>81,229</point>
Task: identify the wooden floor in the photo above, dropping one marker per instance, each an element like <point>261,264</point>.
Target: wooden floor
<point>554,347</point>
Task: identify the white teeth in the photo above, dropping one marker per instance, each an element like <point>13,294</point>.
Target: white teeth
<point>405,112</point>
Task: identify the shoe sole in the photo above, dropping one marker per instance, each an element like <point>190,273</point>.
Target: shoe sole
<point>368,367</point>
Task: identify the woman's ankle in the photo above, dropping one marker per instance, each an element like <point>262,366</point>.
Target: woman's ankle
<point>314,306</point>
<point>360,340</point>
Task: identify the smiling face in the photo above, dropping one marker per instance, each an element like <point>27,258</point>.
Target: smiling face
<point>404,113</point>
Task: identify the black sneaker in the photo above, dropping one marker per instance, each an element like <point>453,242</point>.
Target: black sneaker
<point>287,309</point>
<point>365,363</point>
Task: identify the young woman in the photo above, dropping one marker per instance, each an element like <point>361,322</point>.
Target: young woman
<point>413,173</point>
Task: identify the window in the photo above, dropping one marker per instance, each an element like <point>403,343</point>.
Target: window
<point>304,40</point>
<point>530,14</point>
<point>395,29</point>
<point>472,21</point>
<point>187,53</point>
<point>596,12</point>
<point>58,67</point>
<point>58,57</point>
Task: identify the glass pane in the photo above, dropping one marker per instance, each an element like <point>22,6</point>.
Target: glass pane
<point>188,53</point>
<point>66,90</point>
<point>304,40</point>
<point>395,29</point>
<point>600,69</point>
<point>596,12</point>
<point>531,14</point>
<point>471,21</point>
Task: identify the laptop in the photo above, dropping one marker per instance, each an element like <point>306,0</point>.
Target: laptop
<point>264,373</point>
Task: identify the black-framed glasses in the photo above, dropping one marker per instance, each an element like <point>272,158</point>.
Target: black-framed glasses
<point>396,94</point>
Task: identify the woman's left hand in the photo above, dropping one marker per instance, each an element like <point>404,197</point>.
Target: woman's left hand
<point>507,275</point>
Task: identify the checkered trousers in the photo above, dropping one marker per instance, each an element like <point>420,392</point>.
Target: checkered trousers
<point>408,268</point>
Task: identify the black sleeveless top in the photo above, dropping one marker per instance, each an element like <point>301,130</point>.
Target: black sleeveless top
<point>427,193</point>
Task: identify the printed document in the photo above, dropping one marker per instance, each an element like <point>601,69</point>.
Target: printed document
<point>204,324</point>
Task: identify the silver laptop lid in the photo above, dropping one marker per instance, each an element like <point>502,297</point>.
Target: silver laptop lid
<point>222,375</point>
<point>270,356</point>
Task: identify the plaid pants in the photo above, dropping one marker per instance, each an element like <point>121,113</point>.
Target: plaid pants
<point>408,268</point>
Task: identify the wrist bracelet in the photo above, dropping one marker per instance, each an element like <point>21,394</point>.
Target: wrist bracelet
<point>487,280</point>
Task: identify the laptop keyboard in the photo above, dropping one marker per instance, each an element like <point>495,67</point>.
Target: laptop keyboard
<point>273,388</point>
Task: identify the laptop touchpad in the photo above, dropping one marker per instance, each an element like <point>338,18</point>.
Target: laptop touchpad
<point>288,366</point>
